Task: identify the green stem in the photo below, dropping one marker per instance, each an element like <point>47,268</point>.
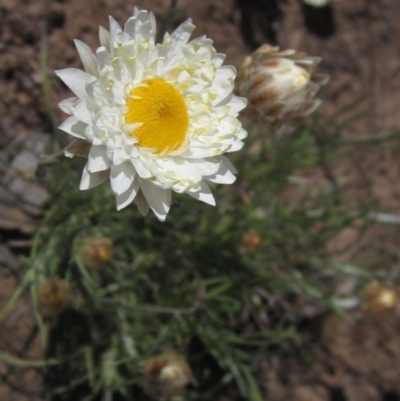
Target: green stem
<point>38,363</point>
<point>166,21</point>
<point>26,363</point>
<point>47,89</point>
<point>370,139</point>
<point>16,295</point>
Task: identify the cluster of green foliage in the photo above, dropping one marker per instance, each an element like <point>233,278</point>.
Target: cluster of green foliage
<point>191,284</point>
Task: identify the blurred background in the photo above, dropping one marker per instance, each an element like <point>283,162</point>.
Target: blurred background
<point>346,345</point>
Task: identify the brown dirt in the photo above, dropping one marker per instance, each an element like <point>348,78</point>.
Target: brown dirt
<point>359,42</point>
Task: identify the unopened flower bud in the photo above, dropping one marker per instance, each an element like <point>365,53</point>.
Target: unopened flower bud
<point>54,296</point>
<point>251,240</point>
<point>96,252</point>
<point>377,297</point>
<point>280,86</point>
<point>166,375</point>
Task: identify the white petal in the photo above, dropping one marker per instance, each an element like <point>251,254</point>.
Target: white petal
<point>144,17</point>
<point>116,156</point>
<point>74,127</point>
<point>237,104</point>
<point>205,167</point>
<point>237,145</point>
<point>227,72</point>
<point>219,59</point>
<point>242,133</point>
<point>197,152</point>
<point>158,199</point>
<point>203,193</point>
<point>146,31</point>
<point>98,160</point>
<point>226,173</point>
<point>141,169</point>
<point>121,177</point>
<point>88,58</point>
<point>141,203</point>
<point>104,37</point>
<point>153,24</point>
<point>130,27</point>
<point>134,24</point>
<point>103,58</point>
<point>182,34</point>
<point>115,31</point>
<point>67,104</point>
<point>75,80</point>
<point>89,135</point>
<point>91,180</point>
<point>126,198</point>
<point>81,112</point>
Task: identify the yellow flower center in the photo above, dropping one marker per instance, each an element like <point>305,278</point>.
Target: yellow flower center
<point>161,109</point>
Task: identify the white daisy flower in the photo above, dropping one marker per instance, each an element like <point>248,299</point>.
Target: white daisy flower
<point>153,118</point>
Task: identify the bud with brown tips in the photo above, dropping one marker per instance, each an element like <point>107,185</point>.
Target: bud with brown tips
<point>166,375</point>
<point>54,296</point>
<point>378,297</point>
<point>251,240</point>
<point>96,252</point>
<point>280,85</point>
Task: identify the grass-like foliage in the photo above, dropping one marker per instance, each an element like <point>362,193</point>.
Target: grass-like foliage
<point>225,286</point>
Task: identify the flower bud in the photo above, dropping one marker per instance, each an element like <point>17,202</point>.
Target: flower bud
<point>166,375</point>
<point>54,297</point>
<point>280,86</point>
<point>377,297</point>
<point>251,240</point>
<point>96,252</point>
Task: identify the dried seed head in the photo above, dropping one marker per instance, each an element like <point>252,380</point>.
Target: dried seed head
<point>280,86</point>
<point>96,252</point>
<point>377,297</point>
<point>166,375</point>
<point>54,296</point>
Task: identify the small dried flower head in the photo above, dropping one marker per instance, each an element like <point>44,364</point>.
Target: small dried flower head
<point>251,240</point>
<point>166,375</point>
<point>54,296</point>
<point>96,252</point>
<point>280,86</point>
<point>377,297</point>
